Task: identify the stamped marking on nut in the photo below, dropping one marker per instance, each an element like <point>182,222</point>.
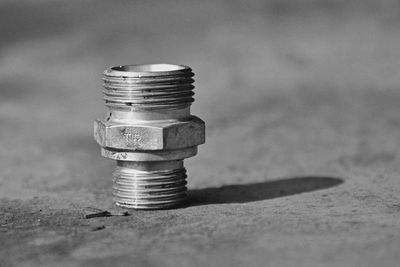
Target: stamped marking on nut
<point>141,138</point>
<point>132,137</point>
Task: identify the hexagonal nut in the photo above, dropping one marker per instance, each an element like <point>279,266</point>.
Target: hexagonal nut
<point>157,136</point>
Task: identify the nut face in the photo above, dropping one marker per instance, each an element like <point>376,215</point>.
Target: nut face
<point>128,137</point>
<point>167,135</point>
<point>184,134</point>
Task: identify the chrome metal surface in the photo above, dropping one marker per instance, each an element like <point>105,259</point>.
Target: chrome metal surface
<point>149,130</point>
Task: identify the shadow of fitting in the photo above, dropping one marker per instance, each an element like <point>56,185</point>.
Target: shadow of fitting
<point>260,191</point>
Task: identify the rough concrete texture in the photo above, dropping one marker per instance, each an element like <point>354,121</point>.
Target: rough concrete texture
<point>301,165</point>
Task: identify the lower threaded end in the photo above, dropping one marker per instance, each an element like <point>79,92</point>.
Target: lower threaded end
<point>149,189</point>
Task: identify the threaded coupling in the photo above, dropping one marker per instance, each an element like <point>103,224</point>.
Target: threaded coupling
<point>149,130</point>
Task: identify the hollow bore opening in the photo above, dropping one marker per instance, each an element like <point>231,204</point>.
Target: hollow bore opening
<point>149,68</point>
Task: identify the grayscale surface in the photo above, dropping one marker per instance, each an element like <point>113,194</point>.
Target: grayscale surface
<point>301,165</point>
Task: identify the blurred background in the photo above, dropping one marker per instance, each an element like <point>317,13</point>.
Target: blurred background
<point>289,90</point>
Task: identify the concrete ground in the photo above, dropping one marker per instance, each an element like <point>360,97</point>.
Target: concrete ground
<point>301,165</point>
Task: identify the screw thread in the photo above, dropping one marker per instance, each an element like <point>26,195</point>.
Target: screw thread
<point>148,87</point>
<point>149,131</point>
<point>149,189</point>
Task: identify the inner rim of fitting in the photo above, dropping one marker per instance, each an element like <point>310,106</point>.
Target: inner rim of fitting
<point>162,67</point>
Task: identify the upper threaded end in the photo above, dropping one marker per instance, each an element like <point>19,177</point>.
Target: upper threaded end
<point>148,87</point>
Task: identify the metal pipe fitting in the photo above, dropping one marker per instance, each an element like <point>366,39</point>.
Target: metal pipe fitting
<point>149,130</point>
